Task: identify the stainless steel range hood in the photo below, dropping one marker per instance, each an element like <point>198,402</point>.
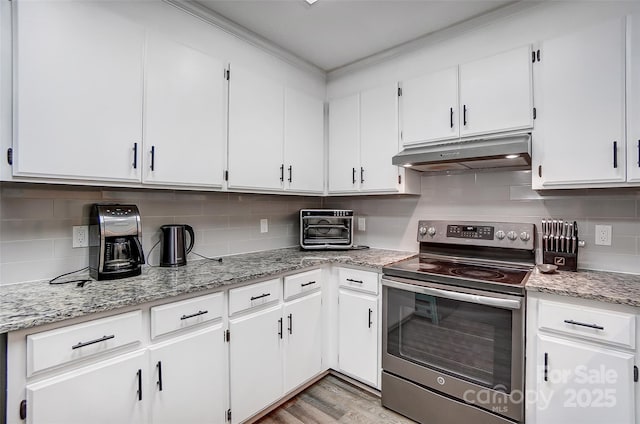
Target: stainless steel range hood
<point>506,152</point>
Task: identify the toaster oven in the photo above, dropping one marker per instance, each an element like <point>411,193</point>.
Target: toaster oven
<point>326,229</point>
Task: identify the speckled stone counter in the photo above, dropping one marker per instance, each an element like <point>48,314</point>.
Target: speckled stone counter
<point>31,304</point>
<point>596,285</point>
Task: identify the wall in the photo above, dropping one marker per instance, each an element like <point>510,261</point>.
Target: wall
<point>391,221</point>
<point>36,224</point>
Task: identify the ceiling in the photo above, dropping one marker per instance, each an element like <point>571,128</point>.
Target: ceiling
<point>331,34</point>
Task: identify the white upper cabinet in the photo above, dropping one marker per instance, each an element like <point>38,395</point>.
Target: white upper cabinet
<point>580,128</point>
<point>429,107</point>
<point>303,142</point>
<point>78,92</point>
<point>344,143</point>
<point>256,117</point>
<point>633,100</point>
<point>496,93</point>
<point>184,125</point>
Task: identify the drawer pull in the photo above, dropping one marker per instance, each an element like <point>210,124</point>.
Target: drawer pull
<point>351,280</point>
<point>183,317</point>
<point>582,324</point>
<point>260,297</point>
<point>101,339</point>
<point>307,284</point>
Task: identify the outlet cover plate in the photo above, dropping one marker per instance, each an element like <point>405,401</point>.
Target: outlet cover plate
<point>80,236</point>
<point>603,235</point>
<point>264,225</point>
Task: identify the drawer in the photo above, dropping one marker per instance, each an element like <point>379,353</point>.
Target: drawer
<point>610,327</point>
<point>187,313</point>
<point>301,283</point>
<point>63,345</point>
<point>254,295</point>
<point>366,281</point>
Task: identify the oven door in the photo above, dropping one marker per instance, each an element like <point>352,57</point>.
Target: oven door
<point>322,231</point>
<point>466,344</point>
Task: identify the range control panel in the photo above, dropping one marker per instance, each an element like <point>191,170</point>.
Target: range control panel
<point>492,234</point>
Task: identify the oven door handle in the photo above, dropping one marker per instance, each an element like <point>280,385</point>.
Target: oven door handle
<point>464,297</point>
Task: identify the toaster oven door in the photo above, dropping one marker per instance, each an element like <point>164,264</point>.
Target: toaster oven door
<point>326,232</point>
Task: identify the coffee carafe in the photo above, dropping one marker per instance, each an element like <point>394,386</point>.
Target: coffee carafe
<point>172,249</point>
<point>115,248</point>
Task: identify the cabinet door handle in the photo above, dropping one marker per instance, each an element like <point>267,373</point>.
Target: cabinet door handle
<point>582,324</point>
<point>464,114</point>
<point>307,284</point>
<point>183,317</point>
<point>546,366</point>
<point>290,173</point>
<point>159,367</point>
<point>370,314</point>
<point>351,280</point>
<point>139,374</point>
<point>260,297</point>
<point>451,116</point>
<point>638,152</point>
<point>153,157</point>
<point>282,172</point>
<point>290,323</point>
<point>361,175</point>
<point>101,339</point>
<point>135,155</point>
<point>280,327</point>
<point>353,175</point>
<point>615,154</point>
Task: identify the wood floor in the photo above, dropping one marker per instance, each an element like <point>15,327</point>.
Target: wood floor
<point>332,400</point>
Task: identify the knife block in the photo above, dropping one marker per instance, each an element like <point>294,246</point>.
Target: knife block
<point>564,261</point>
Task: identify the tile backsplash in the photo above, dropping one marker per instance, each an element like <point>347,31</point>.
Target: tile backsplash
<point>36,223</point>
<point>391,221</point>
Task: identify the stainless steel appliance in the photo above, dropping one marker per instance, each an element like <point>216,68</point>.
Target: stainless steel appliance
<point>453,324</point>
<point>326,229</point>
<point>115,248</point>
<point>173,249</point>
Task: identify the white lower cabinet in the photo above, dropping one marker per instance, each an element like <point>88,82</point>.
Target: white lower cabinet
<point>358,335</point>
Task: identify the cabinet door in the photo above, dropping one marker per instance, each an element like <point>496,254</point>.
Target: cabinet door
<point>344,144</point>
<point>496,93</point>
<point>78,92</point>
<point>303,142</point>
<point>255,361</point>
<point>582,115</point>
<point>584,383</point>
<point>188,379</point>
<point>358,336</point>
<point>429,107</point>
<point>256,121</point>
<point>184,131</point>
<point>633,100</point>
<point>108,392</point>
<point>303,348</point>
<point>378,138</point>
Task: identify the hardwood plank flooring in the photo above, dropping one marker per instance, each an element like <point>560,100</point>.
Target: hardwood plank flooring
<point>332,400</point>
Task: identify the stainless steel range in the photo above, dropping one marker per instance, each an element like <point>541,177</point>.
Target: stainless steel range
<point>453,324</point>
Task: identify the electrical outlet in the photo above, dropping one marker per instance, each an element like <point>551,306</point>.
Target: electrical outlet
<point>264,225</point>
<point>362,224</point>
<point>80,235</point>
<point>603,235</point>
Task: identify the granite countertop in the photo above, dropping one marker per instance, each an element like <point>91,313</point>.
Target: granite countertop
<point>31,304</point>
<point>603,286</point>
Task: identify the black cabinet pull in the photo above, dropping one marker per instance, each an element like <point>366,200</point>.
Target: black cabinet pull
<point>139,373</point>
<point>361,175</point>
<point>546,366</point>
<point>451,116</point>
<point>135,155</point>
<point>635,374</point>
<point>353,175</point>
<point>370,313</point>
<point>101,339</point>
<point>260,297</point>
<point>290,173</point>
<point>23,409</point>
<point>282,172</point>
<point>351,280</point>
<point>159,367</point>
<point>183,317</point>
<point>307,284</point>
<point>582,324</point>
<point>280,327</point>
<point>615,154</point>
<point>464,114</point>
<point>290,323</point>
<point>153,157</point>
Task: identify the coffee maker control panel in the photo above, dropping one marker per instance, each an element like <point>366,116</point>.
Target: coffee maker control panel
<point>119,211</point>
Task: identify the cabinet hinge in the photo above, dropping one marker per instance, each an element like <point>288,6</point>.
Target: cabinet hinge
<point>23,409</point>
<point>635,373</point>
<point>540,171</point>
<point>535,113</point>
<point>399,91</point>
<point>229,415</point>
<point>10,156</point>
<point>227,336</point>
<point>226,175</point>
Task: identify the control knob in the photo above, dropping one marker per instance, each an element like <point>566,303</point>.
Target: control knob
<point>422,231</point>
<point>500,234</point>
<point>524,236</point>
<point>431,231</point>
<point>512,235</point>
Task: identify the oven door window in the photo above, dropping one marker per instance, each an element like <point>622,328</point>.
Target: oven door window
<point>467,340</point>
<point>326,230</point>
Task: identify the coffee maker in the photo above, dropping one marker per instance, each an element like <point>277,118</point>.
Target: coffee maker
<point>115,248</point>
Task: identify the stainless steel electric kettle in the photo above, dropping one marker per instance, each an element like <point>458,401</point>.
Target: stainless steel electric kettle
<point>173,252</point>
